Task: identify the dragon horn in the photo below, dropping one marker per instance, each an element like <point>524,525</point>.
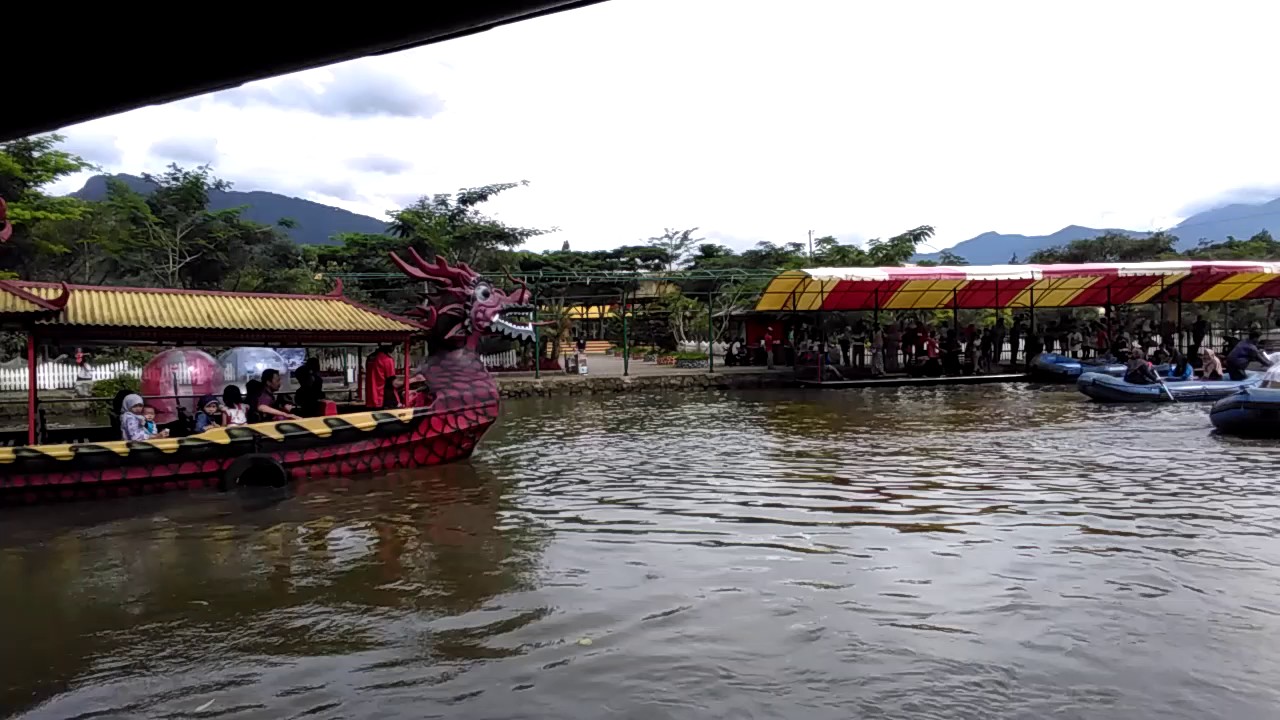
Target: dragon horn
<point>514,281</point>
<point>408,269</point>
<point>440,272</point>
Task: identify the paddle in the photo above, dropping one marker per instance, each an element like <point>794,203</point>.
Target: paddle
<point>1166,389</point>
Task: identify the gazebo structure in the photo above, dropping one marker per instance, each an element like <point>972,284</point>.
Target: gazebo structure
<point>1027,287</point>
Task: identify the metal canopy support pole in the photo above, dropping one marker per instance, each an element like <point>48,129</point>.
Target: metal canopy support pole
<point>1179,344</point>
<point>31,387</point>
<point>1111,326</point>
<point>875,305</point>
<point>537,345</point>
<point>626,351</point>
<point>1031,298</point>
<point>999,349</point>
<point>822,349</point>
<point>711,332</point>
<point>1163,317</point>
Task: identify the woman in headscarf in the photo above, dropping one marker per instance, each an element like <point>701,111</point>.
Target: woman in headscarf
<point>132,425</point>
<point>1139,371</point>
<point>1210,365</point>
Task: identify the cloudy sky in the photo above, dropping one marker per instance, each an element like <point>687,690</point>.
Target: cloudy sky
<point>757,120</point>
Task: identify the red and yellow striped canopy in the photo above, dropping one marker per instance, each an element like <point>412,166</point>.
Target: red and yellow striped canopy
<point>1020,286</point>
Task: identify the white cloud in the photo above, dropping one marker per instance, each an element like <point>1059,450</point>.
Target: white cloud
<point>755,122</point>
<point>186,150</point>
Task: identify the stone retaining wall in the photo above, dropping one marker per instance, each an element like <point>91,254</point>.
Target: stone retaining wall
<point>548,387</point>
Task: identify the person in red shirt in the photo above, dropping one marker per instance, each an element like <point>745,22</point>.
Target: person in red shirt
<point>379,367</point>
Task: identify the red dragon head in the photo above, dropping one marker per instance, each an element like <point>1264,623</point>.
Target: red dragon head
<point>473,304</point>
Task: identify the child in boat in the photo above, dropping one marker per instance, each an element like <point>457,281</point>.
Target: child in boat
<point>133,427</point>
<point>149,416</point>
<point>234,411</point>
<point>210,414</point>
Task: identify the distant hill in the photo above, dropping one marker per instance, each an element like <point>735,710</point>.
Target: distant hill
<point>1240,221</point>
<point>317,223</point>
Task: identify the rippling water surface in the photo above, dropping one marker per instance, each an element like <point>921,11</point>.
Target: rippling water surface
<point>984,552</point>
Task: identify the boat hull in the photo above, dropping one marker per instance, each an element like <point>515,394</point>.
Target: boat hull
<point>1052,367</point>
<point>353,443</point>
<point>1105,388</point>
<point>1252,412</point>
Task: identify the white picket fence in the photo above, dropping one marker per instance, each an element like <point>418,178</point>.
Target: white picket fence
<point>62,376</point>
<point>506,359</point>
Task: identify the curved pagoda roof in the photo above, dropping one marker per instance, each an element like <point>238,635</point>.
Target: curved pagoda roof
<point>1019,286</point>
<point>94,313</point>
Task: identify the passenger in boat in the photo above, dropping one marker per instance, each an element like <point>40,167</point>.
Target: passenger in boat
<point>1179,367</point>
<point>133,426</point>
<point>149,419</point>
<point>380,367</point>
<point>264,406</point>
<point>234,410</point>
<point>210,414</point>
<point>393,393</point>
<point>1210,365</point>
<point>1139,371</point>
<point>310,388</point>
<point>1245,352</point>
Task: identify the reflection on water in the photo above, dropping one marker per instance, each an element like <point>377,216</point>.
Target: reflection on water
<point>929,553</point>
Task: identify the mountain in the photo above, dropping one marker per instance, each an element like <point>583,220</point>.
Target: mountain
<point>317,223</point>
<point>1237,220</point>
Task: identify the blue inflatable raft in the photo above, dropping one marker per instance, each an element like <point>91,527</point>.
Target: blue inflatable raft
<point>1106,388</point>
<point>1252,412</point>
<point>1053,367</point>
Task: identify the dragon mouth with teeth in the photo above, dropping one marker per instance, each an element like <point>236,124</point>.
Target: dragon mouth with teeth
<point>513,321</point>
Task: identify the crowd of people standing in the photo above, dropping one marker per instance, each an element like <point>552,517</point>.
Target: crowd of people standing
<point>919,346</point>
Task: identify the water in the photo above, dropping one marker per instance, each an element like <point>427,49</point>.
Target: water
<point>993,552</point>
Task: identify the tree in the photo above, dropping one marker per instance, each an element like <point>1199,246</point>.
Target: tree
<point>899,249</point>
<point>1110,247</point>
<point>1259,247</point>
<point>453,226</point>
<point>170,223</point>
<point>677,244</point>
<point>27,166</point>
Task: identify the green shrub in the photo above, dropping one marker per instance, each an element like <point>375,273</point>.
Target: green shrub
<point>690,356</point>
<point>109,388</point>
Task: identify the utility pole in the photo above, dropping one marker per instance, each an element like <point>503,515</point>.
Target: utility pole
<point>810,244</point>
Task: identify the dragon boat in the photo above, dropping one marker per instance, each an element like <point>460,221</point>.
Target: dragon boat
<point>450,415</point>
